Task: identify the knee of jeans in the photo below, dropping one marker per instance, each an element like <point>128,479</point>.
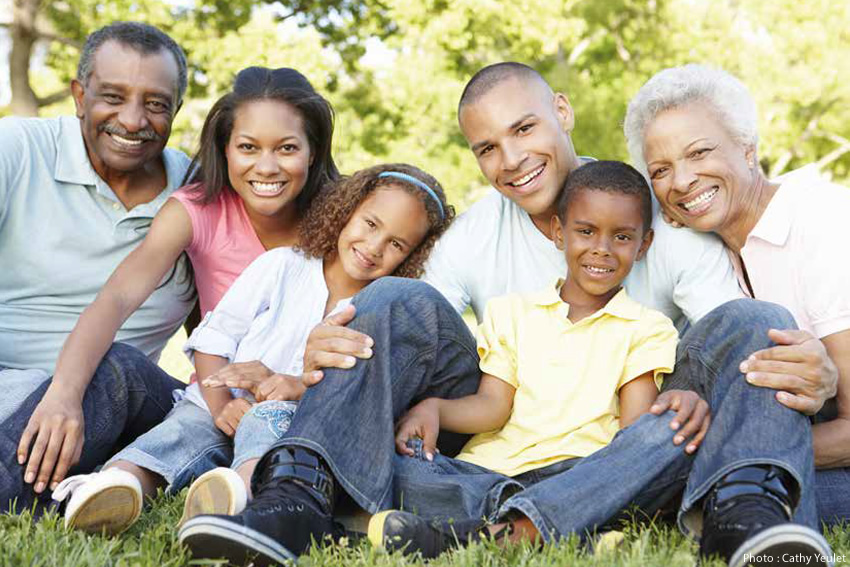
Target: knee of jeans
<point>756,314</point>
<point>388,290</point>
<point>121,352</point>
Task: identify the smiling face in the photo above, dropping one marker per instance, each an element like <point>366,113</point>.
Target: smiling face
<point>382,232</point>
<point>602,236</point>
<point>268,157</point>
<point>519,133</point>
<point>126,106</point>
<point>699,173</point>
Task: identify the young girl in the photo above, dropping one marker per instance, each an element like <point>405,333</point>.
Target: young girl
<point>380,221</point>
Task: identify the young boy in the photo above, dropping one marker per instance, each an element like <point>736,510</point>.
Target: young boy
<point>562,371</point>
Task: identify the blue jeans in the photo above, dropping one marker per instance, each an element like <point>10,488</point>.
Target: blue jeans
<point>128,395</point>
<point>641,467</point>
<point>187,443</point>
<point>422,349</point>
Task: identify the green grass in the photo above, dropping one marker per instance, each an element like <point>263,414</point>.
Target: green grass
<point>153,542</point>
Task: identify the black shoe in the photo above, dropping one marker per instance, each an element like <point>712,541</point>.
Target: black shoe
<point>747,520</point>
<point>292,507</point>
<point>402,531</point>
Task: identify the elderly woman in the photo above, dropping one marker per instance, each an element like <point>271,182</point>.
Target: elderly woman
<point>693,130</point>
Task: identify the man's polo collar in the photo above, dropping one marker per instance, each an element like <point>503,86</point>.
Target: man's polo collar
<point>774,226</point>
<point>72,160</point>
<point>621,305</point>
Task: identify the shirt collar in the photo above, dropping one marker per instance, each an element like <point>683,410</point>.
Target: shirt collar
<point>621,305</point>
<point>774,226</point>
<point>72,160</point>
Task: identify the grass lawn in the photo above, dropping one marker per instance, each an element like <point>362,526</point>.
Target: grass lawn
<point>152,542</point>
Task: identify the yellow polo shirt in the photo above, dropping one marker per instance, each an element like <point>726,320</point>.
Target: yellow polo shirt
<point>566,375</point>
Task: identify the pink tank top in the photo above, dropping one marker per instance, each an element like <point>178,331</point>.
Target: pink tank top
<point>223,243</point>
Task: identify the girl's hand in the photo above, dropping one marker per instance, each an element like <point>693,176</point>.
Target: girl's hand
<point>245,375</point>
<point>422,421</point>
<point>231,414</point>
<point>691,411</point>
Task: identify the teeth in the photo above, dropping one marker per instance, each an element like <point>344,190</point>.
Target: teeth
<point>125,141</point>
<point>267,187</point>
<point>707,196</point>
<point>526,178</point>
<point>596,270</point>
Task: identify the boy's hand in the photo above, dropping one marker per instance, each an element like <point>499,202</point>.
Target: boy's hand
<point>422,421</point>
<point>691,410</point>
<point>231,414</point>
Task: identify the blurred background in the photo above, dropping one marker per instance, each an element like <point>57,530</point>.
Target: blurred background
<point>394,69</point>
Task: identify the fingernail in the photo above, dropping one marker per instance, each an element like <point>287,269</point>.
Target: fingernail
<point>349,361</point>
<point>429,456</point>
<point>744,367</point>
<point>370,342</point>
<point>367,352</point>
<point>21,459</point>
<point>751,378</point>
<point>29,478</point>
<point>39,487</point>
<point>674,425</point>
<point>691,448</point>
<point>54,485</point>
<point>678,439</point>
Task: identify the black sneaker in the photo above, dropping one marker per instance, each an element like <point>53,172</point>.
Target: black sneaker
<point>746,521</point>
<point>292,507</point>
<point>395,530</point>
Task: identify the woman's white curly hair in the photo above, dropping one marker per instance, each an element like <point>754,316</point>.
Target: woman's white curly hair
<point>678,86</point>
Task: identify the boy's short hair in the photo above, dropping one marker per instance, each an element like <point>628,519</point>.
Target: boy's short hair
<point>609,176</point>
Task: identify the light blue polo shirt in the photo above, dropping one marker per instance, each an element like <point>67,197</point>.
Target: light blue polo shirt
<point>62,233</point>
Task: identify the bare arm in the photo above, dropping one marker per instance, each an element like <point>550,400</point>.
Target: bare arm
<point>215,397</point>
<point>636,398</point>
<point>831,439</point>
<point>55,432</point>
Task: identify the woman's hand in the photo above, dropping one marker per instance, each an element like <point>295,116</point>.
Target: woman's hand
<point>261,382</point>
<point>245,375</point>
<point>231,414</point>
<point>800,368</point>
<point>422,421</point>
<point>691,411</point>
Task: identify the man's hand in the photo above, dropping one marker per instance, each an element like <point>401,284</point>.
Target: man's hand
<point>799,368</point>
<point>691,410</point>
<point>332,345</point>
<point>422,421</point>
<point>58,429</point>
<point>231,414</point>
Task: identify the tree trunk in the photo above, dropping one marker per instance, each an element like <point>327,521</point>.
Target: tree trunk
<point>24,35</point>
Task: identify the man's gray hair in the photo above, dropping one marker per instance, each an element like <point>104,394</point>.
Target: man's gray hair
<point>677,86</point>
<point>144,38</point>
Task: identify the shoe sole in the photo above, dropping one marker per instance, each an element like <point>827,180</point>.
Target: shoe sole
<point>213,493</point>
<point>774,546</point>
<point>109,511</point>
<point>215,538</point>
<point>375,530</point>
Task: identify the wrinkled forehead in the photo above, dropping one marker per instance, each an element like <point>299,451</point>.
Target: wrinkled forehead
<point>129,67</point>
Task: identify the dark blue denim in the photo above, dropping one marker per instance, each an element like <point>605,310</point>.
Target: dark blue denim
<point>641,467</point>
<point>128,395</point>
<point>423,348</point>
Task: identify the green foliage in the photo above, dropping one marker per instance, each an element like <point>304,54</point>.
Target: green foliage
<point>400,106</point>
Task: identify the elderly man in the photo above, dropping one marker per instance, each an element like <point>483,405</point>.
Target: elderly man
<point>77,194</point>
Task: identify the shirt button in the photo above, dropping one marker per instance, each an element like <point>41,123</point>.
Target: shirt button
<point>116,206</point>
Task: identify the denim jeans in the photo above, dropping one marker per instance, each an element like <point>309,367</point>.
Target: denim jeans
<point>422,349</point>
<point>641,467</point>
<point>188,443</point>
<point>127,395</point>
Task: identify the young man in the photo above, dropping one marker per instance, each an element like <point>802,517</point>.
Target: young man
<point>76,196</point>
<point>422,348</point>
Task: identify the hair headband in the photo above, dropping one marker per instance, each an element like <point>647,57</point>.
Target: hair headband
<point>422,185</point>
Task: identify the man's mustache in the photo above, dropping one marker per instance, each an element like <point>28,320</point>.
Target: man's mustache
<point>145,135</point>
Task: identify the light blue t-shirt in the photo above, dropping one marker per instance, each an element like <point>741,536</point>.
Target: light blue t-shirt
<point>62,233</point>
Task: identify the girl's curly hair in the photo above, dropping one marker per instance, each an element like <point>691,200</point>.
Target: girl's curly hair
<point>331,210</point>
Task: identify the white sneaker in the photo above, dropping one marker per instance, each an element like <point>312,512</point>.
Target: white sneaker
<point>219,491</point>
<point>105,502</point>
